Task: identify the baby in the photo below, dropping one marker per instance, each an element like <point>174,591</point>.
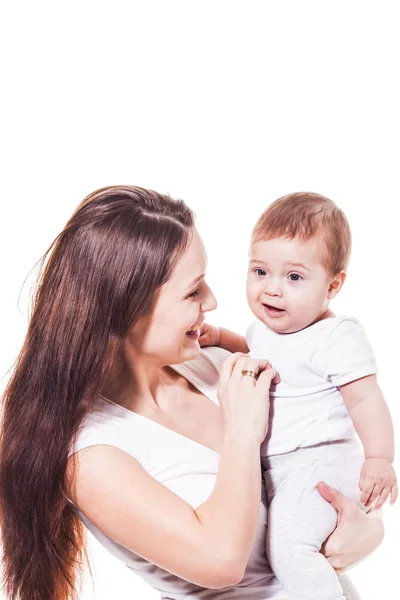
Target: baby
<point>300,248</point>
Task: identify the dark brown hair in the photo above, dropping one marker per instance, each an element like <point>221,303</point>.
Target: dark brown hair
<point>307,215</point>
<point>97,279</point>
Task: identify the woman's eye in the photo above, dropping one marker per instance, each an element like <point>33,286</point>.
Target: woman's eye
<point>195,293</point>
<point>260,272</point>
<point>295,277</point>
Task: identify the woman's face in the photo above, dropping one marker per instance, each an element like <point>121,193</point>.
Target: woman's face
<point>169,333</point>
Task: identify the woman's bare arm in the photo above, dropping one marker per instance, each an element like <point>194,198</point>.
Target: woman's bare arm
<point>210,545</point>
<point>119,497</point>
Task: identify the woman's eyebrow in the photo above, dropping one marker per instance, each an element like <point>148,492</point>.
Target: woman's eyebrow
<point>196,280</point>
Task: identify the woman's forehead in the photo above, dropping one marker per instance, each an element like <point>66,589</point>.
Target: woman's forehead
<point>191,265</point>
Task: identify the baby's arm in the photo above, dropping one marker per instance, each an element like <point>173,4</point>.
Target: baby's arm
<point>224,338</point>
<point>371,418</point>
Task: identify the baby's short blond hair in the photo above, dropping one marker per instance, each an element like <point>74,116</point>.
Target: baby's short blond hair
<point>306,215</point>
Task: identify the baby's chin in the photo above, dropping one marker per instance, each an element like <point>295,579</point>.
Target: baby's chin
<point>282,324</point>
<point>283,329</point>
<point>288,326</point>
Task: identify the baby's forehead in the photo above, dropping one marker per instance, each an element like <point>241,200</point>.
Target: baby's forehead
<point>286,249</point>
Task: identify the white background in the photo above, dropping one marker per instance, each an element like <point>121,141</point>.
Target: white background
<point>227,105</point>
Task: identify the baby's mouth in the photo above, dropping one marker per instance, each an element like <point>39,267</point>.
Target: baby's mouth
<point>273,309</point>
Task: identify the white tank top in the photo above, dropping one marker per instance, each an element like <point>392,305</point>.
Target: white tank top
<point>187,468</point>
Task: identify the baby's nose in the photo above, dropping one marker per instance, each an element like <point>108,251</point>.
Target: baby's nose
<point>273,288</point>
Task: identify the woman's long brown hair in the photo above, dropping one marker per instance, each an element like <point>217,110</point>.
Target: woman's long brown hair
<point>97,278</point>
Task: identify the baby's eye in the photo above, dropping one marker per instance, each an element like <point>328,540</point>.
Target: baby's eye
<point>260,272</point>
<point>295,277</point>
<point>195,293</point>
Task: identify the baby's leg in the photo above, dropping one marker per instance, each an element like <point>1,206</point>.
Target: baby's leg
<point>299,520</point>
<point>348,588</point>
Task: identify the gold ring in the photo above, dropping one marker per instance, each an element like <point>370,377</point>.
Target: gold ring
<point>249,373</point>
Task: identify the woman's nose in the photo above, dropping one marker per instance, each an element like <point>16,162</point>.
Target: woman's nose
<point>210,302</point>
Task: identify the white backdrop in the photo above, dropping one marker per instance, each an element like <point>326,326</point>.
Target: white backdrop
<point>227,105</point>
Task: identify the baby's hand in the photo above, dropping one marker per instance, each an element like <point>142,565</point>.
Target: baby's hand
<point>209,335</point>
<point>378,480</point>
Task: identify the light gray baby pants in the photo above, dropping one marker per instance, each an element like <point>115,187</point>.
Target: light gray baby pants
<point>300,520</point>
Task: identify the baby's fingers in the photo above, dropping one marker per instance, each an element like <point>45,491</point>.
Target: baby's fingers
<point>384,495</point>
<point>205,339</point>
<point>366,487</point>
<point>394,494</point>
<point>374,495</point>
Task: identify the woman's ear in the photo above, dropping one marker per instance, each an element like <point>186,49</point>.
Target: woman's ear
<point>336,285</point>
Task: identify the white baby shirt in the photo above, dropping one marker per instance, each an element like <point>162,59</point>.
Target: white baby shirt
<point>307,407</point>
<point>188,469</point>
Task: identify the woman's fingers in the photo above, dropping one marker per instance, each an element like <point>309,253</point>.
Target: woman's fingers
<point>340,503</point>
<point>265,379</point>
<point>357,534</point>
<point>329,494</point>
<point>276,379</point>
<point>233,366</point>
<point>257,365</point>
<point>250,364</point>
<point>227,367</point>
<point>265,366</point>
<point>244,397</point>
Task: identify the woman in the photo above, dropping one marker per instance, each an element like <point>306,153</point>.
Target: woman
<point>111,419</point>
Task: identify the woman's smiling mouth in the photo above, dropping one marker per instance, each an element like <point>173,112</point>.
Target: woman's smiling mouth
<point>194,331</point>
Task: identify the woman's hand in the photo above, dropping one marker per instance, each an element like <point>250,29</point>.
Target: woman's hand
<point>357,534</point>
<point>243,399</point>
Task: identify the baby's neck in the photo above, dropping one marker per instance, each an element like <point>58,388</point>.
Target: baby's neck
<point>328,314</point>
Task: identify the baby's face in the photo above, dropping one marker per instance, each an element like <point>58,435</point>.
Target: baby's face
<point>287,285</point>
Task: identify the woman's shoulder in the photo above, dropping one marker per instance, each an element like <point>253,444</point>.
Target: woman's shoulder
<point>215,356</point>
<point>209,357</point>
<point>106,424</point>
<point>204,370</point>
<point>111,424</point>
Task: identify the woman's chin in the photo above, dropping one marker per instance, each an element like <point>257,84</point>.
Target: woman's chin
<point>191,349</point>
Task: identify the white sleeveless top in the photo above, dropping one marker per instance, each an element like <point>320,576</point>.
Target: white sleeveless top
<point>187,468</point>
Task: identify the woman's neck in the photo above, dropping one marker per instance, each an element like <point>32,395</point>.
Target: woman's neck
<point>141,387</point>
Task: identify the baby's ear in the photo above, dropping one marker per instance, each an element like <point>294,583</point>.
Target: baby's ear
<point>336,284</point>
